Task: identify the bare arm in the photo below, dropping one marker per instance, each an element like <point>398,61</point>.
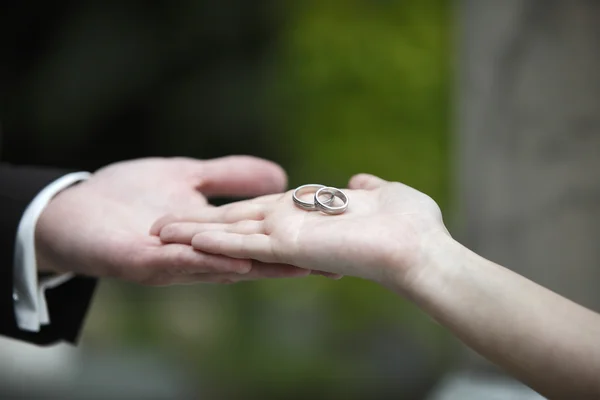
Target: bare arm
<point>545,340</point>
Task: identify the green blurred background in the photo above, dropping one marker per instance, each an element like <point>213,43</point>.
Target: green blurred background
<point>326,88</point>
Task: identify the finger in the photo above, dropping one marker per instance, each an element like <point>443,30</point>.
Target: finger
<point>267,199</point>
<point>256,246</point>
<point>179,259</point>
<point>234,212</point>
<point>365,182</point>
<point>240,176</point>
<point>162,221</point>
<point>259,271</point>
<point>182,232</point>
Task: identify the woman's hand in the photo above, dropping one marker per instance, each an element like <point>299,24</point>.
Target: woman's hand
<point>385,233</point>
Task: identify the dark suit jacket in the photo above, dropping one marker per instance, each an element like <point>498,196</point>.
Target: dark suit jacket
<point>67,303</point>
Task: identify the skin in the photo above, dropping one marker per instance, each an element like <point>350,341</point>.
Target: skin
<point>395,235</point>
<point>100,227</point>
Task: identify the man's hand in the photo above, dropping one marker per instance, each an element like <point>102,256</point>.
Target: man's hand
<point>100,227</point>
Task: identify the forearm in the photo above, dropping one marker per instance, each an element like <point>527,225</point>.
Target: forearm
<point>545,340</point>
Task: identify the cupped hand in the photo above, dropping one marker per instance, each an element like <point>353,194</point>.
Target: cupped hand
<point>386,230</point>
<point>100,227</point>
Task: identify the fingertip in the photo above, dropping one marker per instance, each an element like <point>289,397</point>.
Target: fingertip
<point>207,241</point>
<point>275,172</point>
<point>160,223</point>
<point>358,181</point>
<point>365,182</point>
<point>172,233</point>
<point>274,178</point>
<point>241,175</point>
<point>165,233</point>
<point>199,240</point>
<point>280,178</point>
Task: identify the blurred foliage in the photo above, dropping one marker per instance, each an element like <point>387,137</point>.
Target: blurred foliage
<point>326,88</point>
<point>363,86</point>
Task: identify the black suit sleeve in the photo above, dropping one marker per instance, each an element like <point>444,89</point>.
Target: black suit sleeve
<point>67,303</point>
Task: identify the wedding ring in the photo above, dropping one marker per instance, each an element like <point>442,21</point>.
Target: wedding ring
<point>326,208</point>
<point>309,205</point>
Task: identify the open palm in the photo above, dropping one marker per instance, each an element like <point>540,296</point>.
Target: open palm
<point>385,223</point>
<point>100,227</point>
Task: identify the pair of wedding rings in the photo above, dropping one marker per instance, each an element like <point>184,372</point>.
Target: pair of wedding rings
<point>323,199</point>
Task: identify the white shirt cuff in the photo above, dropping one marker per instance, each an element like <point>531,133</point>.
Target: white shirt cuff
<point>31,310</point>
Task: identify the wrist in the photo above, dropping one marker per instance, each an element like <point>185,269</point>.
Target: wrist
<point>436,257</point>
<point>46,230</point>
<point>43,239</point>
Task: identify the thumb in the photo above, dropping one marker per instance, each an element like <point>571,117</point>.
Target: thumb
<point>366,182</point>
<point>239,176</point>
